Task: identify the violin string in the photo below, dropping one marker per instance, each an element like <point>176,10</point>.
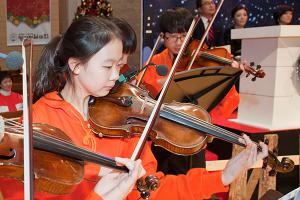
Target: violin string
<point>201,122</point>
<point>204,124</point>
<point>216,58</point>
<point>18,127</point>
<point>13,124</point>
<point>12,120</point>
<point>212,127</point>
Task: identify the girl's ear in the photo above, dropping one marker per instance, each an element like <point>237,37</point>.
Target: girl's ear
<point>74,65</point>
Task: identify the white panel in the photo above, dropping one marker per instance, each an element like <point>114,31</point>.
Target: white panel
<point>266,32</point>
<point>269,113</point>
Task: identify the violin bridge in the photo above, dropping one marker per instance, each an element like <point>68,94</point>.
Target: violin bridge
<point>144,104</point>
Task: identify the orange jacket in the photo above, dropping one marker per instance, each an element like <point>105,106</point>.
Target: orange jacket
<point>51,109</point>
<point>224,109</point>
<point>150,78</point>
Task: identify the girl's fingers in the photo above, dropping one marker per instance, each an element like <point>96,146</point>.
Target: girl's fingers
<point>125,161</point>
<point>265,151</point>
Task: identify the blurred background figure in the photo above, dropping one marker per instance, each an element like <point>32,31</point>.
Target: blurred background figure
<point>206,10</point>
<point>9,101</point>
<point>239,16</point>
<point>283,15</point>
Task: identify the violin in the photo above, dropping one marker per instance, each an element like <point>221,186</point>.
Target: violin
<point>214,57</point>
<point>181,128</point>
<point>58,163</point>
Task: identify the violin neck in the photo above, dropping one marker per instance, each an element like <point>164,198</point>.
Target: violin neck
<point>215,58</point>
<point>64,148</point>
<point>200,125</point>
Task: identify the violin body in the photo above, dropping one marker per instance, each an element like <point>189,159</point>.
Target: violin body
<point>125,113</point>
<point>181,128</point>
<point>53,173</point>
<point>202,60</point>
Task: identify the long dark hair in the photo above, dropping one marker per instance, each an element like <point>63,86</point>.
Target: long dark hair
<point>82,40</point>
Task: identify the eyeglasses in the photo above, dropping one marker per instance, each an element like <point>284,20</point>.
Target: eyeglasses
<point>174,37</point>
<point>208,3</point>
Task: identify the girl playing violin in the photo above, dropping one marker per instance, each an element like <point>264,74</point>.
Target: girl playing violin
<point>85,62</point>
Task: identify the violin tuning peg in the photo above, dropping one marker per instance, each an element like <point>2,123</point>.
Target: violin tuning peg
<point>275,151</point>
<point>247,75</point>
<point>258,67</point>
<point>265,163</point>
<point>145,194</point>
<point>272,172</point>
<point>152,182</point>
<point>252,64</point>
<point>266,141</point>
<point>254,78</point>
<point>287,164</point>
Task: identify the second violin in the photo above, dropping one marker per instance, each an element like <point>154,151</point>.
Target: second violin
<point>214,57</point>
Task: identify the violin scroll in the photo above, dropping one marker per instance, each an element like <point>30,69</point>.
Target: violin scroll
<point>258,72</point>
<point>145,186</point>
<point>284,166</point>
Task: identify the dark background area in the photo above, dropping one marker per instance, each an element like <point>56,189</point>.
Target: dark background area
<point>260,14</point>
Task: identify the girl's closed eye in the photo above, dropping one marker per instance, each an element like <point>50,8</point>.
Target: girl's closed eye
<point>107,66</point>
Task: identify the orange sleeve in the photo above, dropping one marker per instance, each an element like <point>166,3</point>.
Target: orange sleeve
<point>150,81</point>
<point>196,184</point>
<point>151,77</point>
<point>93,196</point>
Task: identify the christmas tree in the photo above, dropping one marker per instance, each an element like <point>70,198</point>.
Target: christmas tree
<point>94,7</point>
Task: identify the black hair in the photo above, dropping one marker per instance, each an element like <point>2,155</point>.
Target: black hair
<point>84,38</point>
<point>175,20</point>
<point>129,38</point>
<point>4,75</point>
<point>186,15</point>
<point>237,8</point>
<point>280,10</point>
<point>198,3</point>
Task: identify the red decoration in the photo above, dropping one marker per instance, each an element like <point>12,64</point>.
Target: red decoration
<point>32,12</point>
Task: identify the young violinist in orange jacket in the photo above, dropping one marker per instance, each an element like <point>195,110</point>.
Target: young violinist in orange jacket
<point>174,25</point>
<point>86,62</point>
